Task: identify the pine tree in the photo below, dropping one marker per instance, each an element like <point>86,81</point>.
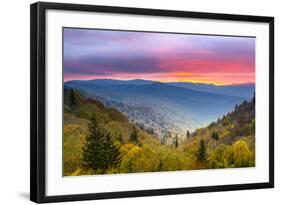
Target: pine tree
<point>187,134</point>
<point>99,151</point>
<point>160,165</point>
<point>215,135</point>
<point>201,153</point>
<point>72,100</point>
<point>113,155</point>
<point>176,141</point>
<point>164,138</point>
<point>120,138</point>
<point>134,136</point>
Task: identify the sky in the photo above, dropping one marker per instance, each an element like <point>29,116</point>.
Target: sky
<point>165,57</point>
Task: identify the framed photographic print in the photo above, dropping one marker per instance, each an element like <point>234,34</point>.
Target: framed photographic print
<point>129,102</point>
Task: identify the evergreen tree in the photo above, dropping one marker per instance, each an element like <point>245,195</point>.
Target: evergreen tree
<point>72,100</point>
<point>112,152</point>
<point>176,141</point>
<point>164,138</point>
<point>201,153</point>
<point>215,135</point>
<point>187,134</point>
<point>160,165</point>
<point>134,136</point>
<point>120,138</point>
<point>99,151</point>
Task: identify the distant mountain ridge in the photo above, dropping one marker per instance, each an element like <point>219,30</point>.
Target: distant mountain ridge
<point>245,90</point>
<point>241,90</point>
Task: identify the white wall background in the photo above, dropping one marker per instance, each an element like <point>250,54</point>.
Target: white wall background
<point>14,100</point>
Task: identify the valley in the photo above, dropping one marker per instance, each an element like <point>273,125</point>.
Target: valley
<point>164,108</point>
<point>227,142</point>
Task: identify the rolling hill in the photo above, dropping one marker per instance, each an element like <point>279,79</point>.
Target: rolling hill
<point>160,106</point>
<point>229,141</point>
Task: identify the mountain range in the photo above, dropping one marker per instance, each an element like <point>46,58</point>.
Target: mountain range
<point>175,106</point>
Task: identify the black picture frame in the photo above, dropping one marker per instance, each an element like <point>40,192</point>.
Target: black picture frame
<point>38,101</point>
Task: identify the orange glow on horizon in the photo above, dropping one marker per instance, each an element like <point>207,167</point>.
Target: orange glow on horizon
<point>191,79</point>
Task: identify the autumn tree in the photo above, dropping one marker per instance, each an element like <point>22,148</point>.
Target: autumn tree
<point>242,155</point>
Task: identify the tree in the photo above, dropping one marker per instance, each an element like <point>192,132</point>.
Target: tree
<point>150,130</point>
<point>201,153</point>
<point>72,99</point>
<point>164,138</point>
<point>215,135</point>
<point>120,138</point>
<point>176,141</point>
<point>160,165</point>
<point>242,155</point>
<point>187,134</point>
<point>134,136</point>
<point>113,155</point>
<point>99,151</point>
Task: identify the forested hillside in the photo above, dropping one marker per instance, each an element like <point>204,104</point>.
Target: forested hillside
<point>160,106</point>
<point>100,139</point>
<point>229,142</point>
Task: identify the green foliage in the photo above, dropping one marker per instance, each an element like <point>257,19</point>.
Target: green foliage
<point>121,139</point>
<point>188,134</point>
<point>215,135</point>
<point>164,138</point>
<point>202,153</point>
<point>99,151</point>
<point>150,130</point>
<point>72,100</point>
<point>134,136</point>
<point>176,141</point>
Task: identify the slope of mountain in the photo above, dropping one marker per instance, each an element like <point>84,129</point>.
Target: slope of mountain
<point>241,90</point>
<point>159,105</point>
<point>76,120</point>
<point>234,125</point>
<point>229,142</point>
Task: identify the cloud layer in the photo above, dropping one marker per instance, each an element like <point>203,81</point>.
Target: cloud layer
<point>91,54</point>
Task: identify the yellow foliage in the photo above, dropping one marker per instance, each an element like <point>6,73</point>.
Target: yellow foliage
<point>137,159</point>
<point>242,155</point>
